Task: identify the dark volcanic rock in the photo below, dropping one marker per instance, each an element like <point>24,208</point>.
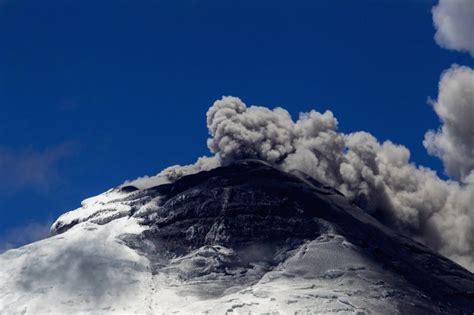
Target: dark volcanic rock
<point>233,224</point>
<point>259,211</point>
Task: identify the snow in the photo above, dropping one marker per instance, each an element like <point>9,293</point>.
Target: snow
<point>326,276</point>
<point>88,270</point>
<point>85,270</point>
<point>90,267</point>
<point>99,209</point>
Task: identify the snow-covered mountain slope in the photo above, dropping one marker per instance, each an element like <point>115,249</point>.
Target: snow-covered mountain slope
<point>237,239</point>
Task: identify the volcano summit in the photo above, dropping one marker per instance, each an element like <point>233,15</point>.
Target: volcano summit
<point>245,237</point>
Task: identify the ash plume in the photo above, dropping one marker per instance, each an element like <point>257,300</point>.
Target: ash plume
<point>379,177</point>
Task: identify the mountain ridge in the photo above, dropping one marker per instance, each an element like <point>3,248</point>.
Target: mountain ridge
<point>217,238</point>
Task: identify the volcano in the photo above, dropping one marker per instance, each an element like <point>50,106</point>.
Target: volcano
<point>238,239</point>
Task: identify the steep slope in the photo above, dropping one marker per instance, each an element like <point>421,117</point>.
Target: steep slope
<point>241,238</point>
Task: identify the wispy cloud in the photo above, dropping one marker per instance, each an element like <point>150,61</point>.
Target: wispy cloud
<point>21,235</point>
<point>29,168</point>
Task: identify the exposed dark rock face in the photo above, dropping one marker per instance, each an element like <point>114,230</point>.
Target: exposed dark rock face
<point>259,211</point>
<point>242,220</point>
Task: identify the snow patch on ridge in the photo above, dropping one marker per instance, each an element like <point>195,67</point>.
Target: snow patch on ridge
<point>98,208</point>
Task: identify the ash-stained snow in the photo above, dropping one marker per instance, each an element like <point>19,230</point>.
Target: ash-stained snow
<point>241,239</point>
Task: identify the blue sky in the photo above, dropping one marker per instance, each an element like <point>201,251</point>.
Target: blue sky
<point>96,92</point>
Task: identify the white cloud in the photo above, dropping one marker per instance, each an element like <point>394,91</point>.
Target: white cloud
<point>454,23</point>
<point>454,141</point>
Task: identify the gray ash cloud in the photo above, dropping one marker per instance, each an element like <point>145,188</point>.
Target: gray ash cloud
<point>378,176</point>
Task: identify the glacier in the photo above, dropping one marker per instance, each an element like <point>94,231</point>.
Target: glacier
<point>245,238</point>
